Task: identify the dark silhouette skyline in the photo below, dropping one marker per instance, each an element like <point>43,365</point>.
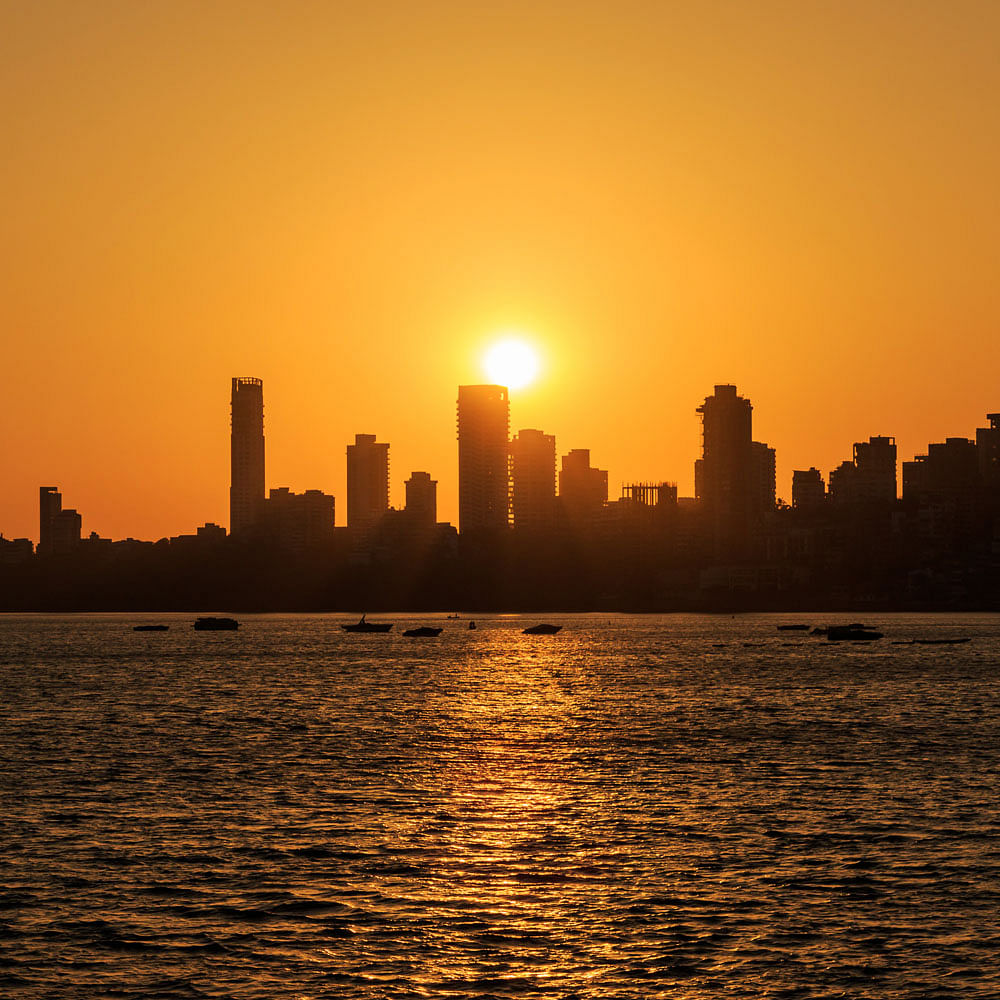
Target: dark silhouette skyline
<point>523,543</point>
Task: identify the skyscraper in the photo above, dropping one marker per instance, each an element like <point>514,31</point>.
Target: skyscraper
<point>49,506</point>
<point>764,491</point>
<point>725,481</point>
<point>59,530</point>
<point>483,470</point>
<point>367,482</point>
<point>533,479</point>
<point>246,491</point>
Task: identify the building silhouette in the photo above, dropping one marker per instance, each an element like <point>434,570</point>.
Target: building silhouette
<point>421,498</point>
<point>15,551</point>
<point>763,478</point>
<point>870,478</point>
<point>483,461</point>
<point>808,489</point>
<point>582,490</point>
<point>246,491</point>
<point>950,468</point>
<point>533,480</point>
<point>299,522</point>
<point>367,482</point>
<point>59,530</point>
<point>49,506</point>
<point>944,494</point>
<point>727,479</point>
<point>988,447</point>
<point>650,494</point>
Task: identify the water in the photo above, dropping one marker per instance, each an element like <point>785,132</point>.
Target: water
<point>676,806</point>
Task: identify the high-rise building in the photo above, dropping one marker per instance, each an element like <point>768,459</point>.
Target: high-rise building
<point>367,482</point>
<point>764,488</point>
<point>583,491</point>
<point>59,529</point>
<point>808,489</point>
<point>483,462</point>
<point>421,498</point>
<point>49,506</point>
<point>533,480</point>
<point>246,491</point>
<point>870,478</point>
<point>724,478</point>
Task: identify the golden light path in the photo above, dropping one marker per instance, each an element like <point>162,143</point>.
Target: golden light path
<point>512,362</point>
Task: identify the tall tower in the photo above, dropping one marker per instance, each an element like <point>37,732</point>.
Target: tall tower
<point>49,508</point>
<point>483,471</point>
<point>533,479</point>
<point>763,482</point>
<point>367,481</point>
<point>246,490</point>
<point>725,476</point>
<point>58,528</point>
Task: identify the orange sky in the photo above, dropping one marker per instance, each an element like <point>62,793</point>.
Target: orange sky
<point>347,199</point>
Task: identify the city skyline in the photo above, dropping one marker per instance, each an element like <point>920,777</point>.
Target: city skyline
<point>734,477</point>
<point>797,201</point>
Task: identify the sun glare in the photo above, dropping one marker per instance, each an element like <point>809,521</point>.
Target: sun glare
<point>511,362</point>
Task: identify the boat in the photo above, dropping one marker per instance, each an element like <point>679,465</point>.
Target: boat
<point>793,628</point>
<point>852,633</point>
<point>216,625</point>
<point>366,626</point>
<point>424,630</point>
<point>542,629</point>
<point>150,628</point>
<point>455,615</point>
<point>941,642</point>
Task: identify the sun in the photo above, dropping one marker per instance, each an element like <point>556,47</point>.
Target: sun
<point>511,362</point>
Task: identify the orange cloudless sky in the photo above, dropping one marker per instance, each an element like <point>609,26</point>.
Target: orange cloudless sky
<point>350,200</point>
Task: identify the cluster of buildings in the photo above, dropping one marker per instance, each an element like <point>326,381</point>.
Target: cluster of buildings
<point>732,531</point>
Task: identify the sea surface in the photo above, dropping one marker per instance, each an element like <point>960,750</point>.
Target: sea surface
<point>640,806</point>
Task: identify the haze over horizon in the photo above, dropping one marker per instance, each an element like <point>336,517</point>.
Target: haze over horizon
<point>353,204</point>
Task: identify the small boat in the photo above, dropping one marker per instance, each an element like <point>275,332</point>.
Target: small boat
<point>455,615</point>
<point>366,626</point>
<point>852,633</point>
<point>542,629</point>
<point>793,628</point>
<point>150,628</point>
<point>216,625</point>
<point>424,630</point>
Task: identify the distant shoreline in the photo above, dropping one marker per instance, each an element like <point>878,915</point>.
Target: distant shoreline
<point>471,613</point>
